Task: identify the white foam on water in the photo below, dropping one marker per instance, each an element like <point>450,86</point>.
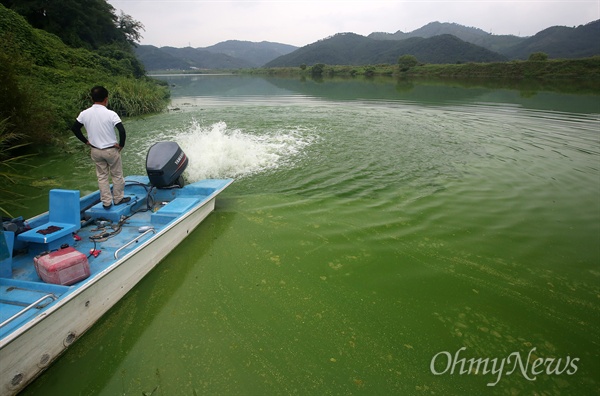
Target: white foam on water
<point>216,151</point>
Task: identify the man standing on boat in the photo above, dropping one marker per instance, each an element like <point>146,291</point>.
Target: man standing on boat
<point>100,124</point>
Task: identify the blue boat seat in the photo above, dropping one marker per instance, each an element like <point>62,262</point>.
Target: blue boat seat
<point>64,218</point>
<point>7,241</point>
<point>173,209</point>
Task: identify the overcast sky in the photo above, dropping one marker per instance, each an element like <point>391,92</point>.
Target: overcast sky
<point>202,23</point>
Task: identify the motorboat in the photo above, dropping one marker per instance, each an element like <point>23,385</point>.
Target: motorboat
<point>62,270</point>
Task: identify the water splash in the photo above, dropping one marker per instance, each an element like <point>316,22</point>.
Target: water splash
<point>216,151</point>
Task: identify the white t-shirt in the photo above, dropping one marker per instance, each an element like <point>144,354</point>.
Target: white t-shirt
<point>99,123</point>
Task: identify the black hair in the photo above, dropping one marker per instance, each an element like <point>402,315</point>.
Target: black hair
<point>99,93</point>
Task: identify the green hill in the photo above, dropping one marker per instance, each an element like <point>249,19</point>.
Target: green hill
<point>430,44</point>
<point>354,49</point>
<point>154,58</point>
<point>202,59</point>
<point>473,35</point>
<point>44,83</point>
<point>558,41</point>
<point>561,42</point>
<point>232,54</point>
<point>256,54</point>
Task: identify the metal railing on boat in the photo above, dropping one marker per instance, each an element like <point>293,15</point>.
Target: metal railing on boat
<point>27,308</point>
<point>136,239</point>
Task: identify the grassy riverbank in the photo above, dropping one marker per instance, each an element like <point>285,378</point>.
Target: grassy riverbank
<point>554,68</point>
<point>557,74</point>
<point>44,84</point>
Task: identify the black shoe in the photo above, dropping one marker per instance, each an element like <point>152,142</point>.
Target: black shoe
<point>107,207</point>
<point>124,200</point>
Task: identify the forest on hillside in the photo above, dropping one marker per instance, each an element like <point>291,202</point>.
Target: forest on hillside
<point>434,43</point>
<point>50,62</point>
<point>45,78</point>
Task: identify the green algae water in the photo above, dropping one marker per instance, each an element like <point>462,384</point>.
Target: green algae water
<point>379,239</point>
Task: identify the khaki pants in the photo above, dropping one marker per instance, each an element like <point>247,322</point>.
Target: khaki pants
<point>108,161</point>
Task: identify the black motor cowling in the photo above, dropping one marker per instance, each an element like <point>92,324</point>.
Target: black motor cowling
<point>165,163</point>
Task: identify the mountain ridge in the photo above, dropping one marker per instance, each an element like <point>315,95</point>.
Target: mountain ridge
<point>353,49</point>
<point>435,42</point>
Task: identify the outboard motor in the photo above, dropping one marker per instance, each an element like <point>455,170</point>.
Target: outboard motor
<point>165,163</point>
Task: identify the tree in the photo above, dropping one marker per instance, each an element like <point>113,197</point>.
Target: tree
<point>538,57</point>
<point>317,70</point>
<point>405,62</point>
<point>370,71</point>
<point>88,24</point>
<point>130,28</point>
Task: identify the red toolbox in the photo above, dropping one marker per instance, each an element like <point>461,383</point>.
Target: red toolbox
<point>62,267</point>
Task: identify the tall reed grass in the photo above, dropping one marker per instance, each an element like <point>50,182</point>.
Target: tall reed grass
<point>9,174</point>
<point>131,98</point>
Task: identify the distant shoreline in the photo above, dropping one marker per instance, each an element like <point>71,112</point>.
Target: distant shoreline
<point>552,68</point>
<point>566,75</point>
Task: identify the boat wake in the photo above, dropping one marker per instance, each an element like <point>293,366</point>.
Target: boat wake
<point>216,151</point>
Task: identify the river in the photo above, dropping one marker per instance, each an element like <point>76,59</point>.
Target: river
<point>380,238</point>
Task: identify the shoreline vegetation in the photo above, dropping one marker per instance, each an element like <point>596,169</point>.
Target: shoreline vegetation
<point>45,83</point>
<point>561,75</point>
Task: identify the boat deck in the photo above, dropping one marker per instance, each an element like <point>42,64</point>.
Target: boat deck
<point>112,234</point>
